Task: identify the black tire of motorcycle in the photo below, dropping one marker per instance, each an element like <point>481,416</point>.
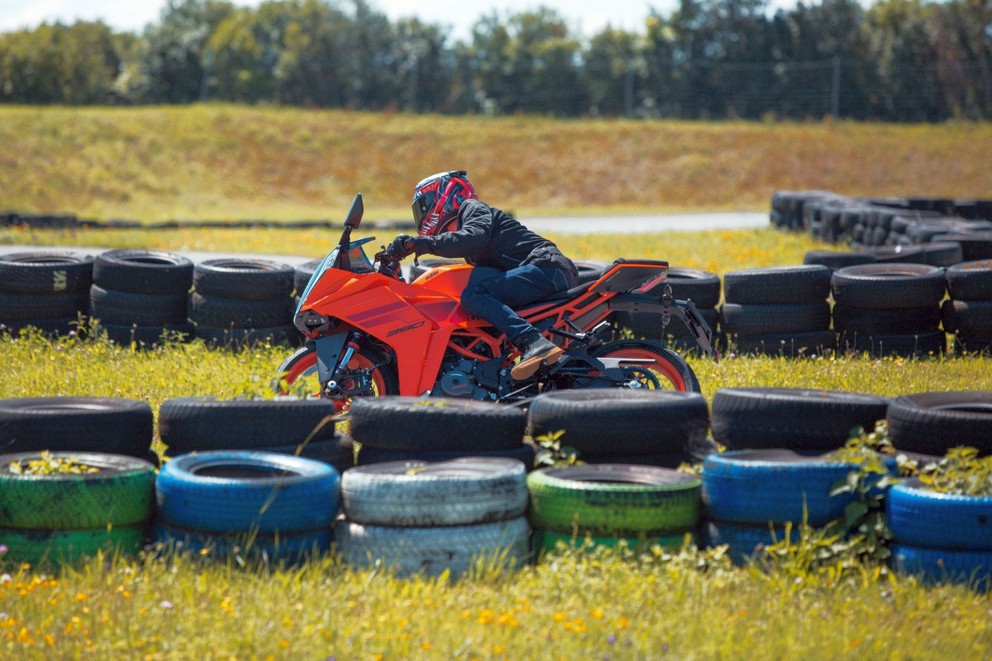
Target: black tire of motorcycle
<point>436,424</point>
<point>245,279</point>
<point>601,423</point>
<point>288,372</point>
<point>679,368</point>
<point>76,424</point>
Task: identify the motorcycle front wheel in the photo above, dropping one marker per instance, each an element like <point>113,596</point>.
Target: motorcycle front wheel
<point>650,366</point>
<point>298,375</point>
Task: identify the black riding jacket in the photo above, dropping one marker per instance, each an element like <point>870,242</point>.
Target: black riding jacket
<point>487,236</point>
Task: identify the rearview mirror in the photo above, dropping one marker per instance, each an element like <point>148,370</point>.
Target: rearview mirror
<point>354,218</point>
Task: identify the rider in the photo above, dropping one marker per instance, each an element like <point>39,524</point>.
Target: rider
<point>513,265</point>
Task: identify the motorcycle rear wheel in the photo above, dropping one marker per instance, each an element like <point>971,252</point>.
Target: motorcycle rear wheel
<point>651,366</point>
<point>298,375</point>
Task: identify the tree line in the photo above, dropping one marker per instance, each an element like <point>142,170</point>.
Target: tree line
<point>896,60</point>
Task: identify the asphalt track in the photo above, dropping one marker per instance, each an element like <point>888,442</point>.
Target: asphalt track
<point>549,225</point>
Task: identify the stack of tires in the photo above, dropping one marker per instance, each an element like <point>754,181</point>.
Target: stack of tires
<point>46,290</point>
<point>701,287</point>
<point>140,295</point>
<point>301,427</point>
<point>780,311</point>
<point>62,507</point>
<point>755,498</point>
<point>240,302</point>
<point>931,423</point>
<point>241,504</point>
<point>77,424</point>
<point>889,309</point>
<point>795,419</point>
<point>644,427</point>
<point>435,517</point>
<point>838,259</point>
<point>939,536</point>
<point>968,311</point>
<point>610,504</point>
<point>435,429</point>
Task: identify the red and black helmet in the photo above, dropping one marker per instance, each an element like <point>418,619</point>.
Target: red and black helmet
<point>437,199</point>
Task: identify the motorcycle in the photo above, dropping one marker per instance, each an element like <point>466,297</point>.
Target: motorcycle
<point>370,333</point>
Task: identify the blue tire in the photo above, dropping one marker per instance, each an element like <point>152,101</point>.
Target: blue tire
<point>921,517</point>
<point>761,486</point>
<point>284,547</point>
<point>745,542</point>
<point>944,566</point>
<point>242,491</point>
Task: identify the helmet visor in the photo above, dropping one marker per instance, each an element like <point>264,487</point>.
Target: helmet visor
<point>423,202</point>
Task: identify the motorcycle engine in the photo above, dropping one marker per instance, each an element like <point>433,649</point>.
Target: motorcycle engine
<point>458,381</point>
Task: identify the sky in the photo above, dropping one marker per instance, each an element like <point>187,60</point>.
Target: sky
<point>586,16</point>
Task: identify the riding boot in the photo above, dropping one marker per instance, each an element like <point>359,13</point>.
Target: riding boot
<point>537,351</point>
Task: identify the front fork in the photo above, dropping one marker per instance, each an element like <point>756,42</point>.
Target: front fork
<point>334,352</point>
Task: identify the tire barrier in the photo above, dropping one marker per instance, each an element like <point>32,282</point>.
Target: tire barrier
<point>889,309</point>
<point>778,311</point>
<point>241,302</point>
<point>796,419</point>
<point>284,426</point>
<point>612,502</point>
<point>656,427</point>
<point>76,424</point>
<point>139,295</point>
<point>968,312</point>
<point>938,536</point>
<point>244,502</point>
<point>749,496</point>
<point>933,422</point>
<point>430,518</point>
<point>703,288</point>
<point>47,290</point>
<point>104,503</point>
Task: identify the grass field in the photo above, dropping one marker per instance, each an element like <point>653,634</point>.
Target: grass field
<point>226,162</point>
<point>231,162</point>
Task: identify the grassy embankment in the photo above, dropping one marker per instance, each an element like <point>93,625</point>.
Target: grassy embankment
<point>573,607</point>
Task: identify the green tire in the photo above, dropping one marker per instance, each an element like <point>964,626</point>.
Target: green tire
<point>121,493</point>
<point>548,541</point>
<point>614,500</point>
<point>61,547</point>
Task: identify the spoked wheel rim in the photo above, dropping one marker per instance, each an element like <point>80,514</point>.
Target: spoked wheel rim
<point>304,369</point>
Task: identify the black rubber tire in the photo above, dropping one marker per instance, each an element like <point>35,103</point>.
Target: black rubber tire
<point>148,336</point>
<point>777,486</point>
<point>247,279</point>
<point>922,345</point>
<point>188,424</point>
<point>970,318</point>
<point>837,259</point>
<point>790,345</point>
<point>797,419</point>
<point>736,318</point>
<point>970,281</point>
<point>28,307</point>
<point>933,422</point>
<point>972,344</point>
<point>620,500</point>
<point>778,285</point>
<point>974,245</point>
<point>936,566</point>
<point>901,254</point>
<point>463,491</point>
<point>660,460</point>
<point>143,272</point>
<point>525,453</point>
<point>48,327</point>
<point>60,548</point>
<point>238,338</point>
<point>877,286</point>
<point>435,424</point>
<point>115,307</point>
<point>943,253</point>
<point>886,321</point>
<point>919,516</point>
<point>218,312</point>
<point>601,422</point>
<point>120,494</point>
<point>285,548</point>
<point>335,452</point>
<point>240,491</point>
<point>433,550</point>
<point>45,272</point>
<point>76,424</point>
<point>702,287</point>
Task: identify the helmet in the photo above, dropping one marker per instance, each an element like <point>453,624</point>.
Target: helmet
<point>437,199</point>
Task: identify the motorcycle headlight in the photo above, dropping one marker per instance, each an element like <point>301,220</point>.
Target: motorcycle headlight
<point>311,323</point>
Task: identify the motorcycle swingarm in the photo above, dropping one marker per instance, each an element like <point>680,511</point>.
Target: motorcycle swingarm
<point>668,307</point>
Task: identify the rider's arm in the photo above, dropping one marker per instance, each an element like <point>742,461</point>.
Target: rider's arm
<point>475,227</point>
